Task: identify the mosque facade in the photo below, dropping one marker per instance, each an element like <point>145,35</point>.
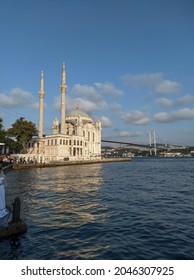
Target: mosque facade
<point>76,137</point>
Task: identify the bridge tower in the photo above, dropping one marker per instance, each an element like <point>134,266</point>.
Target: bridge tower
<point>152,139</point>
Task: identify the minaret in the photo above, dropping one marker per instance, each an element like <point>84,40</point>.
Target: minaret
<point>41,105</point>
<point>63,92</point>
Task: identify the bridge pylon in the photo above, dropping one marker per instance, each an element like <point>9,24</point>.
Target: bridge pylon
<point>152,139</point>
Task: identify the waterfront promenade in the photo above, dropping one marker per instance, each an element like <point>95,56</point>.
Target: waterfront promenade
<point>67,163</point>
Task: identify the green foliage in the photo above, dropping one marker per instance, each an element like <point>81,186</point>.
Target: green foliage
<point>14,146</point>
<point>23,131</point>
<point>1,124</point>
<point>2,132</point>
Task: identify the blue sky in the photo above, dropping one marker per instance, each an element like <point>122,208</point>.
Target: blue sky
<point>129,63</point>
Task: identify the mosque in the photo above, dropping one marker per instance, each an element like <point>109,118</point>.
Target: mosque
<point>75,138</point>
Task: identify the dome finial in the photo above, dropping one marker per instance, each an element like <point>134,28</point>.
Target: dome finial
<point>77,109</point>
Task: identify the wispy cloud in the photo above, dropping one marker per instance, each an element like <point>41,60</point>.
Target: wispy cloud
<point>182,114</point>
<point>142,80</point>
<point>97,90</point>
<point>125,133</point>
<point>181,101</point>
<point>85,105</point>
<point>186,99</point>
<point>86,91</point>
<point>90,106</point>
<point>135,117</point>
<point>165,102</point>
<point>106,122</point>
<point>115,106</point>
<point>57,102</point>
<point>17,97</point>
<point>156,81</point>
<point>167,87</point>
<point>90,98</point>
<point>108,89</point>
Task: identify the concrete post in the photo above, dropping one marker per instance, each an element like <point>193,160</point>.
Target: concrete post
<point>16,210</point>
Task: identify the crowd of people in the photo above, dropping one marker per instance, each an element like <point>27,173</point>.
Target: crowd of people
<point>5,160</point>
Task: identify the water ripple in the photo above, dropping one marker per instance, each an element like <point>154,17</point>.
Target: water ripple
<point>137,210</point>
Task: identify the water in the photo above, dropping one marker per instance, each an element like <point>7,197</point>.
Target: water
<point>143,209</point>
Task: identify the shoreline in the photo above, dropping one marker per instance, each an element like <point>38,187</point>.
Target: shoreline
<point>67,163</point>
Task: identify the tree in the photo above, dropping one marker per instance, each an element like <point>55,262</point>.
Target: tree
<point>14,146</point>
<point>23,131</point>
<point>2,132</point>
<point>1,124</point>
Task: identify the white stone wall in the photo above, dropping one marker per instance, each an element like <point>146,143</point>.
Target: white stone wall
<point>79,143</point>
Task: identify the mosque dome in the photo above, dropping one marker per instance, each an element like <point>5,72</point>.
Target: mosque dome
<point>72,115</point>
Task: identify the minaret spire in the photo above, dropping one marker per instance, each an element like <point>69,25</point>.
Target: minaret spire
<point>63,75</point>
<point>41,105</point>
<point>42,82</point>
<point>63,101</point>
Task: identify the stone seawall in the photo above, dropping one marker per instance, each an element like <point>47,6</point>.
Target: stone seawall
<point>66,163</point>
